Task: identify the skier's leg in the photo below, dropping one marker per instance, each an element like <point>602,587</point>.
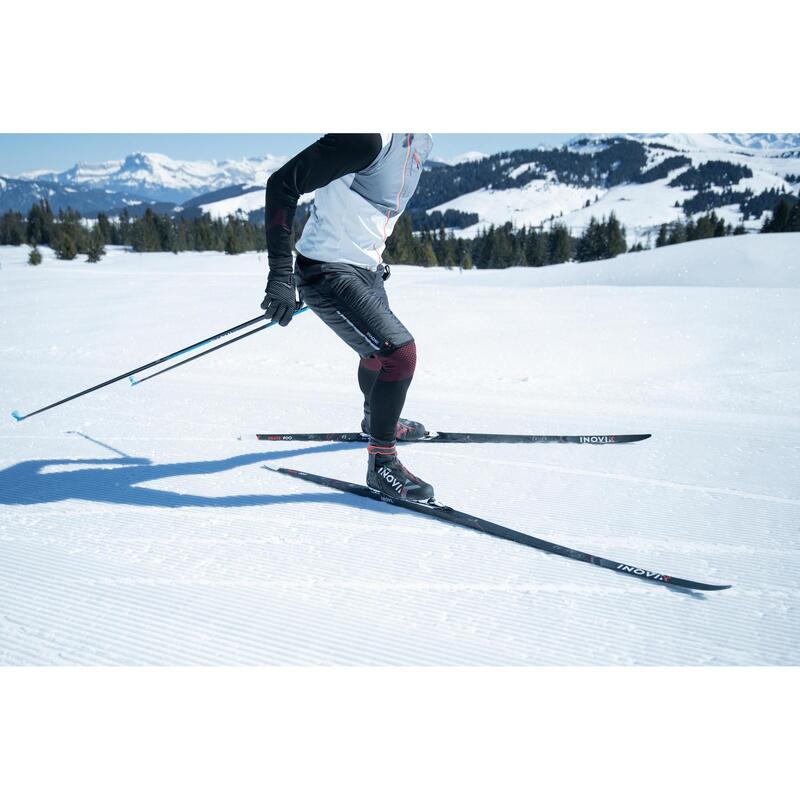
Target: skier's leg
<point>389,390</point>
<point>353,303</point>
<point>368,369</point>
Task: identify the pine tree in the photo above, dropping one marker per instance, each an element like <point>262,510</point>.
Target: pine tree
<point>560,245</point>
<point>427,255</point>
<point>65,246</point>
<point>590,245</point>
<point>34,257</point>
<point>12,229</point>
<point>95,249</point>
<point>502,249</point>
<point>105,229</point>
<point>779,221</point>
<point>615,241</point>
<point>401,245</point>
<point>536,249</point>
<point>793,223</point>
<point>662,239</point>
<point>677,233</point>
<point>39,224</point>
<point>233,237</point>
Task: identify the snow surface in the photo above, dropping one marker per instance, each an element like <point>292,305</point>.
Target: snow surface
<point>531,204</point>
<point>244,203</point>
<point>463,158</point>
<point>135,528</point>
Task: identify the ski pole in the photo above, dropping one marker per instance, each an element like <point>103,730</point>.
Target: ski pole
<point>19,417</point>
<point>134,382</point>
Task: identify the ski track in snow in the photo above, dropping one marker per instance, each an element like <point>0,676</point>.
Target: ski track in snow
<point>151,535</point>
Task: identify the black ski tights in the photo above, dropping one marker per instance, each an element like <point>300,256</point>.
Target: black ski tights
<point>384,381</point>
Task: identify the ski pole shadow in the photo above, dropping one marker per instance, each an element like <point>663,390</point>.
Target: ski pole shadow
<point>119,481</point>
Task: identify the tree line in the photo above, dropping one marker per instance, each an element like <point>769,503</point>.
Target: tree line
<point>68,235</point>
<point>496,247</point>
<point>501,246</point>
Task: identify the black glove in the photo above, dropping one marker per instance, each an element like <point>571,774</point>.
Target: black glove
<point>280,301</point>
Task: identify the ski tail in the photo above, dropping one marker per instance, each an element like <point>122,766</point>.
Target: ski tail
<point>452,515</point>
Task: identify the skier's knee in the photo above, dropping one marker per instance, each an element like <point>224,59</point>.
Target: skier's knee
<point>399,365</point>
<point>371,363</point>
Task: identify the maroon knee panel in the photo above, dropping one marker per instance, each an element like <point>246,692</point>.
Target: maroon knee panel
<point>399,365</point>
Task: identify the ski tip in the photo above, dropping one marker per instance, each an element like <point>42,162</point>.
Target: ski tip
<point>17,416</point>
<point>281,470</point>
<point>133,381</point>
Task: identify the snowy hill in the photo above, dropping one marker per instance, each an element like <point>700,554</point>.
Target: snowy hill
<point>162,178</point>
<point>135,528</point>
<point>661,178</point>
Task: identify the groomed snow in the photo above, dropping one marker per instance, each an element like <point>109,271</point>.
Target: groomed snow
<point>135,528</point>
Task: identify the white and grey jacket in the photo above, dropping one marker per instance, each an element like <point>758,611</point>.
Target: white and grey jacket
<point>363,182</point>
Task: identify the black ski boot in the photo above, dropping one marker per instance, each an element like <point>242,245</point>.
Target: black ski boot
<point>387,475</point>
<point>407,430</point>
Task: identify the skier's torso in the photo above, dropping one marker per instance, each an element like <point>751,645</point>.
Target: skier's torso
<point>354,215</point>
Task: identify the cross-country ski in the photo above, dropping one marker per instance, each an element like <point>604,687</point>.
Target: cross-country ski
<point>445,437</point>
<point>456,517</point>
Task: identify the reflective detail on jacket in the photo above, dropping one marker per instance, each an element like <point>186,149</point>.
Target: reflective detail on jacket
<point>353,216</point>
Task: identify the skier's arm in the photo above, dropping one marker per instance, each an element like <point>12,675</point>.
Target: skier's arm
<point>330,157</point>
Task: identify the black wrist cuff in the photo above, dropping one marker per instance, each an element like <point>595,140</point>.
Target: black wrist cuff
<point>278,265</point>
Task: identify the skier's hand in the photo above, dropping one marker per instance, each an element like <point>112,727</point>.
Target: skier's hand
<point>280,300</point>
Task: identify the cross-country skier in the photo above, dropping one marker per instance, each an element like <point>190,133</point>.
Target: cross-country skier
<point>363,182</point>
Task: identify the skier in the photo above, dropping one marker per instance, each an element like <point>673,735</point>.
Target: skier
<point>363,182</point>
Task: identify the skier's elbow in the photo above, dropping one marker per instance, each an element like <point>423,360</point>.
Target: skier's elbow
<point>279,188</point>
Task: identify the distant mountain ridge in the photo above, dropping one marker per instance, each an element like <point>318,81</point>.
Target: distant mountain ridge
<point>20,195</point>
<point>646,180</point>
<point>159,177</point>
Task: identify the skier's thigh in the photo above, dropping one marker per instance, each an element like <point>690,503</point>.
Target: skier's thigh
<point>346,299</point>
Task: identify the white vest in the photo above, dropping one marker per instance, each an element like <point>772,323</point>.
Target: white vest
<point>353,216</point>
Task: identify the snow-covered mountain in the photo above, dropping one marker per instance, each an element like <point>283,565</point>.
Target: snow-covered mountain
<point>644,179</point>
<point>726,141</point>
<point>159,177</point>
<point>20,195</point>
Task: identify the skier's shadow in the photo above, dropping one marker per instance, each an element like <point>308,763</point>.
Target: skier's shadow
<point>118,480</point>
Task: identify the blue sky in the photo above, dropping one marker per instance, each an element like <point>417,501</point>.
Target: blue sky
<point>59,151</point>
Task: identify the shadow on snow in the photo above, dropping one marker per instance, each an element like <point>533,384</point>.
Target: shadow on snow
<point>118,481</point>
